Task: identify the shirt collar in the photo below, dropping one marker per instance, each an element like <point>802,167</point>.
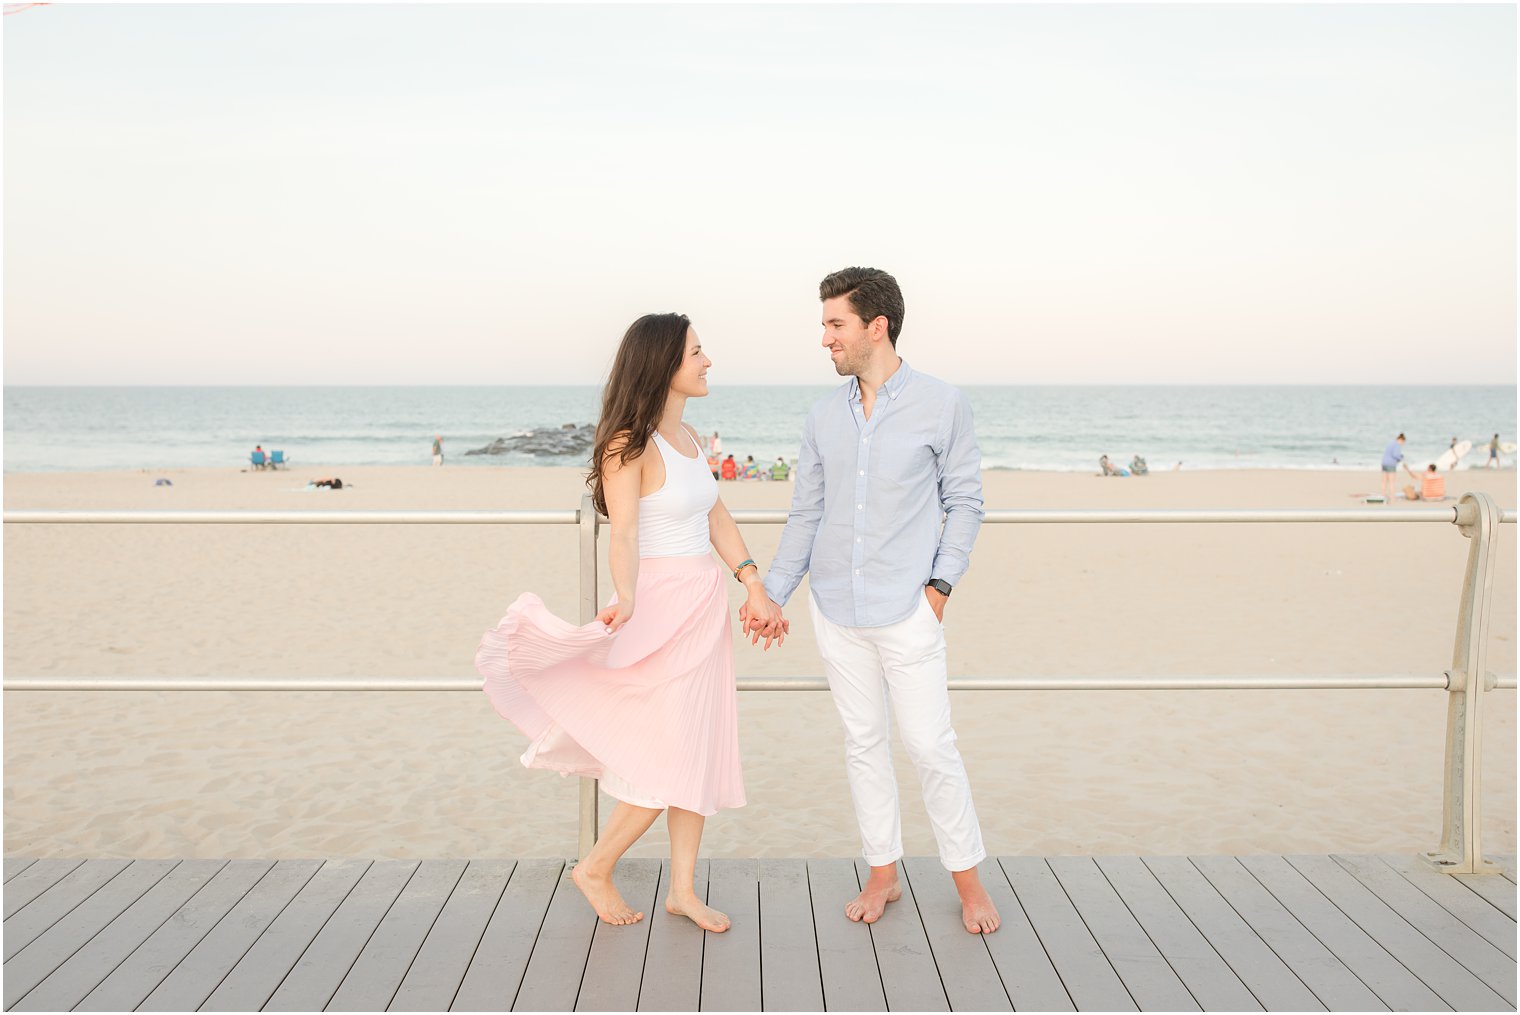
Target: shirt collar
<point>892,387</point>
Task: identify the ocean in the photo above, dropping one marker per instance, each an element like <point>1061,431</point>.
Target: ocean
<point>1061,429</point>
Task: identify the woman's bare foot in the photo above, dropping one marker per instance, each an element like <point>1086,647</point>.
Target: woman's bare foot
<point>603,896</point>
<point>872,901</point>
<point>697,912</point>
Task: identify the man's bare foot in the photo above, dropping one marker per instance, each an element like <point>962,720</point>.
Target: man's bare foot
<point>604,897</point>
<point>697,912</point>
<point>977,911</point>
<point>872,901</point>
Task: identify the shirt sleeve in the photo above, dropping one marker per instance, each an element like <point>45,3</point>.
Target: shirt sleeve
<point>959,465</point>
<point>796,547</point>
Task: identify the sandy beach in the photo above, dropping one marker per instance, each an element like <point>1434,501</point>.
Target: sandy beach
<point>435,774</point>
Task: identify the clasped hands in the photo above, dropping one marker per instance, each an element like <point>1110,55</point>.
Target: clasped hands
<point>762,618</point>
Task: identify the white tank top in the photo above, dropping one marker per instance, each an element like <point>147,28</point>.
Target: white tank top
<point>673,519</point>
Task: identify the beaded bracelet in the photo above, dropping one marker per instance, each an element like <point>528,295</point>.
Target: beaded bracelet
<point>741,567</point>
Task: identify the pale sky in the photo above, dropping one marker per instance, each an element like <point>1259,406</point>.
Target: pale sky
<point>490,194</point>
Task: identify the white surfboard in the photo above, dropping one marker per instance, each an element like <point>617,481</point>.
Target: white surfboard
<point>1507,447</point>
<point>1451,456</point>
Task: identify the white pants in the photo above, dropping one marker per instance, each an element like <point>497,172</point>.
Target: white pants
<point>873,672</point>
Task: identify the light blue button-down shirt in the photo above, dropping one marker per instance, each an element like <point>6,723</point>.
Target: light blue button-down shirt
<point>881,505</point>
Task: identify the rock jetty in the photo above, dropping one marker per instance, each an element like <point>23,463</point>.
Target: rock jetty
<point>571,440</point>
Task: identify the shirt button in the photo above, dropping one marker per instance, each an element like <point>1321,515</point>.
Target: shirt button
<point>862,472</point>
<point>865,440</point>
<point>860,507</point>
<point>857,570</point>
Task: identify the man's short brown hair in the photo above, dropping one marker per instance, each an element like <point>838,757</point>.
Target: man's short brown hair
<point>872,293</point>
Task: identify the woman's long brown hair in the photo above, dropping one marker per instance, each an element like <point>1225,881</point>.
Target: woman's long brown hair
<point>634,399</point>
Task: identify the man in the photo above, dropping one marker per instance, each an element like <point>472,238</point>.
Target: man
<point>1493,453</point>
<point>886,459</point>
<point>1393,457</point>
<point>437,449</point>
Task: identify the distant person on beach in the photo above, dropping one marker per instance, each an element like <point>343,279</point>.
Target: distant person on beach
<point>1432,486</point>
<point>751,470</point>
<point>1109,468</point>
<point>1393,457</point>
<point>730,468</point>
<point>648,688</point>
<point>1493,453</point>
<point>779,470</point>
<point>714,465</point>
<point>1138,467</point>
<point>259,459</point>
<point>715,445</point>
<point>887,505</point>
<point>438,450</point>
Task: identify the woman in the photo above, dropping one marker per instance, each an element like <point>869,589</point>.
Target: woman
<point>644,698</point>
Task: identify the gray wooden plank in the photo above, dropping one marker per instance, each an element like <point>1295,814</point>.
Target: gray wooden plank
<point>265,965</point>
<point>131,982</point>
<point>789,976</point>
<point>67,985</point>
<point>731,960</point>
<point>615,963</point>
<point>968,979</point>
<point>1089,977</point>
<point>1022,964</point>
<point>1451,935</point>
<point>439,968</point>
<point>57,902</point>
<point>673,960</point>
<point>1458,900</point>
<point>909,977</point>
<point>1396,987</point>
<point>552,980</point>
<point>1209,979</point>
<point>846,958</point>
<point>54,946</point>
<point>1147,975</point>
<point>378,971</point>
<point>1493,888</point>
<point>198,974</point>
<point>16,864</point>
<point>1269,979</point>
<point>496,968</point>
<point>1439,972</point>
<point>326,961</point>
<point>1336,986</point>
<point>1506,862</point>
<point>35,880</point>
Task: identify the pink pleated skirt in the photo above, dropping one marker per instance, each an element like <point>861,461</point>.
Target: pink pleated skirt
<point>652,709</point>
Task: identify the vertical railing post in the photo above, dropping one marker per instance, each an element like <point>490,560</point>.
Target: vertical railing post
<point>590,826</point>
<point>1467,681</point>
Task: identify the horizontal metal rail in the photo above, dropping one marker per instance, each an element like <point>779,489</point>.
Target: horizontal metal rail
<point>1475,515</point>
<point>1137,682</point>
<point>1449,515</point>
<point>220,517</point>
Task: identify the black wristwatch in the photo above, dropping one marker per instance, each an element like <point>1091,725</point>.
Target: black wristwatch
<point>938,585</point>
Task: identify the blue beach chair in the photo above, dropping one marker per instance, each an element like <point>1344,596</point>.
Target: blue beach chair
<point>257,458</point>
<point>276,459</point>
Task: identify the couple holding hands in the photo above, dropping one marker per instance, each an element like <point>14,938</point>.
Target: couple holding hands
<point>887,504</point>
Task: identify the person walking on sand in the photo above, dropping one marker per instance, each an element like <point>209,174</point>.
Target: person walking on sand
<point>1393,457</point>
<point>1493,453</point>
<point>887,459</point>
<point>643,698</point>
<point>438,449</point>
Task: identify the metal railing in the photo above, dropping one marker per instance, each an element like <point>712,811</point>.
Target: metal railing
<point>1476,516</point>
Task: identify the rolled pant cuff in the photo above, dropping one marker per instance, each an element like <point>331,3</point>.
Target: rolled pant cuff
<point>883,859</point>
<point>956,866</point>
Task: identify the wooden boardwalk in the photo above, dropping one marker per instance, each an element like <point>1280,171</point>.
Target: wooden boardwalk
<point>1308,933</point>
